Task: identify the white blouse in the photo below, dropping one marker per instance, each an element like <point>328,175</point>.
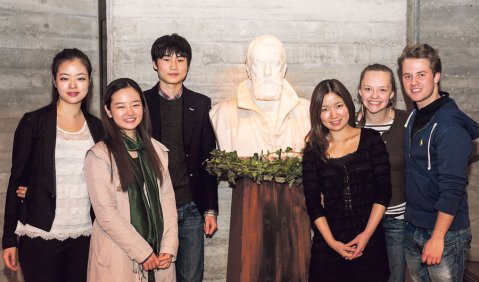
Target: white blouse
<point>72,214</point>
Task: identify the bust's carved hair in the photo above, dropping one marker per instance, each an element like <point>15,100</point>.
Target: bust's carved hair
<point>265,40</point>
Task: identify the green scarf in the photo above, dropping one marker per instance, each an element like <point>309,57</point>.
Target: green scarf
<point>145,208</point>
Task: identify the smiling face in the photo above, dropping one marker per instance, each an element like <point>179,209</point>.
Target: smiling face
<point>334,113</point>
<point>420,84</point>
<point>126,110</point>
<point>171,69</point>
<point>72,82</point>
<point>376,91</point>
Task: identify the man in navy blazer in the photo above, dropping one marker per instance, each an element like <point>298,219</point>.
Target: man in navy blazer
<point>181,122</point>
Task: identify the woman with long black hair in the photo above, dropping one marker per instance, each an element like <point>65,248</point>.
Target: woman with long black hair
<point>135,234</point>
<point>53,222</point>
<point>347,186</point>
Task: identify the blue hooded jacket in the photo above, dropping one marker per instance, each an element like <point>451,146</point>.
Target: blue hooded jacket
<point>436,160</point>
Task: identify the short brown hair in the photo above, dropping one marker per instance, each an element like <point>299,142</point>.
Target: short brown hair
<point>420,51</point>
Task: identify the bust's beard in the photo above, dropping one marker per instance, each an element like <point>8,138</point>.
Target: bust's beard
<point>269,91</point>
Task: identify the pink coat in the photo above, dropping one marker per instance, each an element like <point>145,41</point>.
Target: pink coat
<point>115,244</point>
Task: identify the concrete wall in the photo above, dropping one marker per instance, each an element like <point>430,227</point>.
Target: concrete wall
<point>324,39</point>
<point>451,26</point>
<point>31,32</point>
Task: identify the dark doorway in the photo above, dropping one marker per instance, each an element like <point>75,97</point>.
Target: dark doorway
<point>103,45</point>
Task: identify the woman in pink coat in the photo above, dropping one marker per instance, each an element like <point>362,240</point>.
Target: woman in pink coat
<point>135,234</point>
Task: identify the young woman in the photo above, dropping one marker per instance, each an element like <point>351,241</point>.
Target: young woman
<point>135,234</point>
<point>347,187</point>
<point>376,91</point>
<point>49,147</point>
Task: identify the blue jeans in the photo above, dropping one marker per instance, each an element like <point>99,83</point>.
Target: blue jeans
<point>394,234</point>
<point>451,268</point>
<point>190,258</point>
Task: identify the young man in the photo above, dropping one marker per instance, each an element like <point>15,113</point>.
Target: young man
<point>181,122</point>
<point>437,145</point>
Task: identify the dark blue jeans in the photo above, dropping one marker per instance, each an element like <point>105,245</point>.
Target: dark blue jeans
<point>190,258</point>
<point>451,269</point>
<point>394,234</point>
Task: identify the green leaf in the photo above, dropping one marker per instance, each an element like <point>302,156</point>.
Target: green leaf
<point>282,166</point>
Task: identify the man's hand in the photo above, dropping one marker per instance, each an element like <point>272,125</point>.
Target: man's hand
<point>432,251</point>
<point>434,247</point>
<point>10,258</point>
<point>210,225</point>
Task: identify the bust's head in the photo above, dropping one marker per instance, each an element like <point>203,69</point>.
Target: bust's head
<point>266,67</point>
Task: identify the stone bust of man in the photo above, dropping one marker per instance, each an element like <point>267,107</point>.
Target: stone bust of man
<point>266,114</point>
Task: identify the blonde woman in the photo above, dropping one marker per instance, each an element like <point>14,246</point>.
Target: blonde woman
<point>376,91</point>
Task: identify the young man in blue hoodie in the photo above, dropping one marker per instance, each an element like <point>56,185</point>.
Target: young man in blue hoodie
<point>437,145</point>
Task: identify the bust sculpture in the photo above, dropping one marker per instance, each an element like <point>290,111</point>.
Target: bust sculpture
<point>266,113</point>
<point>269,229</point>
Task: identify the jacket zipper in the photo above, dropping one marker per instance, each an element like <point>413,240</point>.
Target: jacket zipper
<point>410,138</point>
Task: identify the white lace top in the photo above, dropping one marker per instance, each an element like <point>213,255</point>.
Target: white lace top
<point>72,214</point>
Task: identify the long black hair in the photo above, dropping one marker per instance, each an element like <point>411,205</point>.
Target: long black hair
<point>69,55</point>
<point>316,138</point>
<point>113,135</point>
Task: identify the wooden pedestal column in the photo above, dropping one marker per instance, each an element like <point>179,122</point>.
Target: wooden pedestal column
<point>270,237</point>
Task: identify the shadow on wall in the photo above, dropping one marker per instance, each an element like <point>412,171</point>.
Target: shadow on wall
<point>472,266</point>
<point>10,276</point>
<point>7,275</point>
<point>473,199</point>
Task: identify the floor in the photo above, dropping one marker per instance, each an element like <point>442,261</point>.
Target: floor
<point>472,272</point>
<point>6,275</point>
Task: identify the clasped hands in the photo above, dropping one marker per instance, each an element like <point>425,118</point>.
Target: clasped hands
<point>163,261</point>
<point>352,250</point>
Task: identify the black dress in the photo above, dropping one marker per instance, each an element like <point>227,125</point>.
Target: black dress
<point>350,186</point>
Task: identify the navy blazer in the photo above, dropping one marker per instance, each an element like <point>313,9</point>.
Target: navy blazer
<point>33,165</point>
<point>198,139</point>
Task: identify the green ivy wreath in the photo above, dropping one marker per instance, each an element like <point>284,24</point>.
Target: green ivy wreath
<point>282,166</point>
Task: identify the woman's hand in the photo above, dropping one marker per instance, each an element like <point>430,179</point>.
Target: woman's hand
<point>164,260</point>
<point>362,239</point>
<point>151,262</point>
<point>359,244</point>
<point>10,258</point>
<point>342,249</point>
<point>21,192</point>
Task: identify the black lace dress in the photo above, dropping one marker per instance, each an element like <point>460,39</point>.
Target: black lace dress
<point>350,185</point>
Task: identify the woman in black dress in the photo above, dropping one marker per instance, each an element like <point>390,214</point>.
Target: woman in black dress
<point>347,186</point>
